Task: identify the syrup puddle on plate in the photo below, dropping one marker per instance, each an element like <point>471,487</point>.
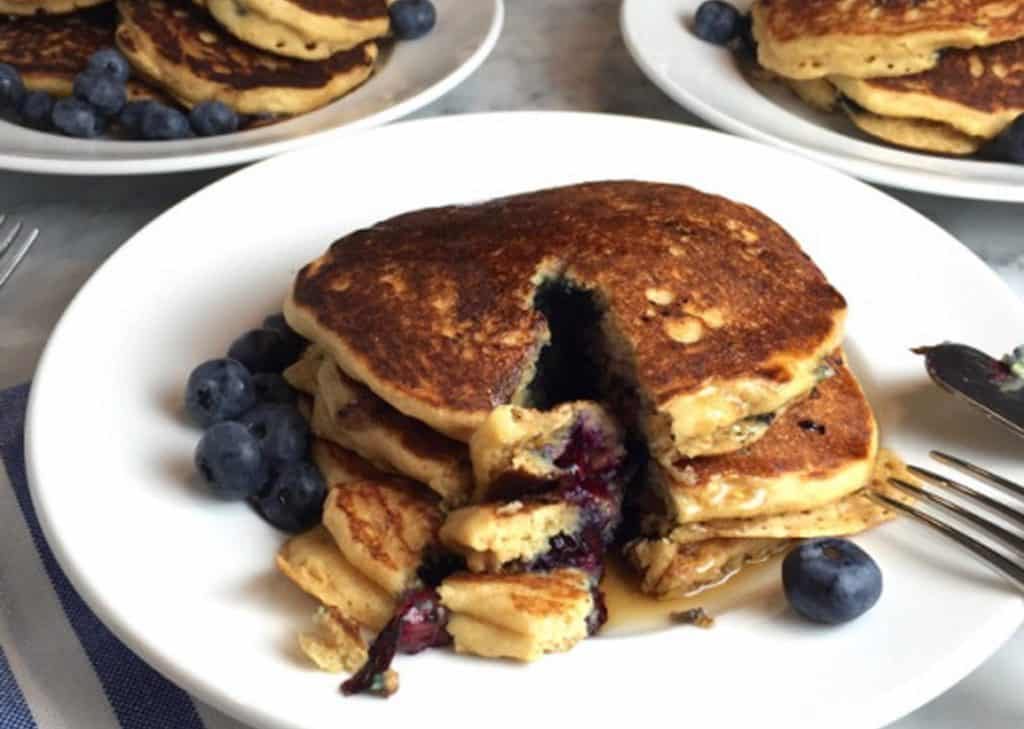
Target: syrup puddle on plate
<point>630,611</point>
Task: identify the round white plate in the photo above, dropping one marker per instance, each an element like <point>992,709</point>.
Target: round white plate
<point>707,80</point>
<point>189,583</point>
<point>411,75</point>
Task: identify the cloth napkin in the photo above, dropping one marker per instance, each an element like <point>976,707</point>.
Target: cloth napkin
<point>59,665</point>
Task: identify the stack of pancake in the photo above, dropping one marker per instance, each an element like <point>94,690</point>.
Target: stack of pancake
<point>261,57</point>
<point>674,357</point>
<point>931,75</point>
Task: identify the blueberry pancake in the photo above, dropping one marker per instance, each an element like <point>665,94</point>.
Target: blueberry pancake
<point>304,29</point>
<point>45,7</point>
<point>176,45</point>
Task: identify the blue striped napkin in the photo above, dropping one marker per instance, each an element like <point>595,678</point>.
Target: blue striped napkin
<point>59,665</point>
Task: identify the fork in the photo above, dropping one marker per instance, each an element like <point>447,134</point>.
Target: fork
<point>1013,570</point>
<point>15,241</point>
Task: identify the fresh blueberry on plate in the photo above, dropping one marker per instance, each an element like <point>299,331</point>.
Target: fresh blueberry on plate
<point>270,387</point>
<point>411,19</point>
<point>831,580</point>
<point>161,122</point>
<point>36,109</point>
<point>211,118</point>
<point>130,118</point>
<point>717,22</point>
<point>294,500</point>
<point>76,118</point>
<point>264,350</point>
<point>106,94</point>
<point>282,432</point>
<point>110,62</point>
<point>230,460</point>
<point>277,323</point>
<point>11,87</point>
<point>218,390</point>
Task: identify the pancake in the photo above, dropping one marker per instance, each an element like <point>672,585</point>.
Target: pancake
<point>45,7</point>
<point>493,536</point>
<point>868,39</point>
<point>977,92</point>
<point>668,569</point>
<point>49,51</point>
<point>177,46</point>
<point>820,450</point>
<point>815,92</point>
<point>705,311</point>
<point>306,29</point>
<point>349,414</point>
<point>340,466</point>
<point>335,644</point>
<point>521,616</point>
<point>313,562</point>
<point>920,134</point>
<point>383,529</point>
<point>302,375</point>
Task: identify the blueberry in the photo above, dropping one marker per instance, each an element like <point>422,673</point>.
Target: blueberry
<point>746,44</point>
<point>831,580</point>
<point>264,350</point>
<point>276,322</point>
<point>272,388</point>
<point>36,109</point>
<point>160,122</point>
<point>11,87</point>
<point>717,22</point>
<point>76,118</point>
<point>282,432</point>
<point>106,94</point>
<point>231,462</point>
<point>294,500</point>
<point>1009,145</point>
<point>218,390</point>
<point>211,118</point>
<point>411,19</point>
<point>109,62</point>
<point>130,118</point>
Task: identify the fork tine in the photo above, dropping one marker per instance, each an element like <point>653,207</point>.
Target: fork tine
<point>968,493</point>
<point>984,474</point>
<point>1004,535</point>
<point>15,257</point>
<point>9,238</point>
<point>994,559</point>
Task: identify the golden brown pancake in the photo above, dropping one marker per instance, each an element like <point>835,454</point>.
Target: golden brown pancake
<point>177,46</point>
<point>919,134</point>
<point>340,466</point>
<point>45,7</point>
<point>977,92</point>
<point>710,312</point>
<point>336,643</point>
<point>867,39</point>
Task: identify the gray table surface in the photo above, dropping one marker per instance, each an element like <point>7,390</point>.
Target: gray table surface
<point>555,54</point>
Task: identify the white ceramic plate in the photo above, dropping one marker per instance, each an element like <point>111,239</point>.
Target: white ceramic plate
<point>189,583</point>
<point>707,80</point>
<point>412,75</point>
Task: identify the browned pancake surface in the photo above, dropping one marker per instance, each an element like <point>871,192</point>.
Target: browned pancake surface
<point>354,9</point>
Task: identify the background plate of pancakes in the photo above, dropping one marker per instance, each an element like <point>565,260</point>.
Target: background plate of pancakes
<point>405,77</point>
<point>189,583</point>
<point>710,81</point>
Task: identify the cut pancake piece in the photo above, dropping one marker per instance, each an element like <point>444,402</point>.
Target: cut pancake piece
<point>919,134</point>
<point>521,616</point>
<point>815,453</point>
<point>977,92</point>
<point>313,562</point>
<point>815,92</point>
<point>709,312</point>
<point>383,528</point>
<point>668,569</point>
<point>340,466</point>
<point>494,536</point>
<point>302,375</point>
<point>178,47</point>
<point>517,444</point>
<point>868,39</point>
<point>350,415</point>
<point>336,643</point>
<point>304,29</point>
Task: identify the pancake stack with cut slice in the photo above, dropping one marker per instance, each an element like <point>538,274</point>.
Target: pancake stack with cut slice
<point>528,384</point>
<point>936,76</point>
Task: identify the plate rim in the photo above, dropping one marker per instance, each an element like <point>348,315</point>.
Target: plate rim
<point>866,170</point>
<point>193,162</point>
<point>998,630</point>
